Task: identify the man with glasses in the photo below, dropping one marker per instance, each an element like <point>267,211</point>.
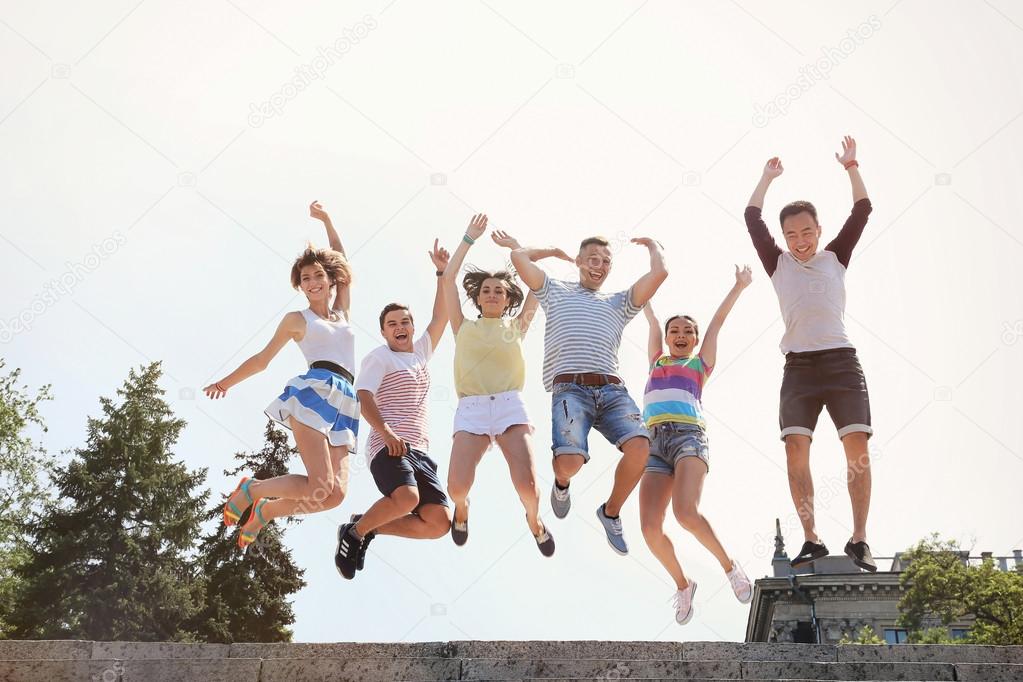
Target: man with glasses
<point>580,369</point>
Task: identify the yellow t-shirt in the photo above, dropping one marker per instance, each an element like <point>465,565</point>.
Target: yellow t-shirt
<point>488,357</point>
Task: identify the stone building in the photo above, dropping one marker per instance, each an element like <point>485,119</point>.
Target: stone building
<point>831,598</point>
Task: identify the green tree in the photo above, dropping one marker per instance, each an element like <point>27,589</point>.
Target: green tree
<point>109,560</point>
<point>940,585</point>
<point>247,592</point>
<point>866,635</point>
<point>23,465</point>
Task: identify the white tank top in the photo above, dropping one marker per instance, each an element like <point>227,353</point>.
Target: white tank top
<point>326,340</point>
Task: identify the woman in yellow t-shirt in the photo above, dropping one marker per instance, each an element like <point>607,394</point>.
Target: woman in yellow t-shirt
<point>489,377</point>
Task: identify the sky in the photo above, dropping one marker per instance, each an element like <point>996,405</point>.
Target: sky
<point>159,159</point>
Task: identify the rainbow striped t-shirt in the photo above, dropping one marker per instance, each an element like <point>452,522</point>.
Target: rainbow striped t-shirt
<point>674,389</point>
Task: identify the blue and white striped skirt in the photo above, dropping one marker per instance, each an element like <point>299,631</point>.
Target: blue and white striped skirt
<point>322,400</point>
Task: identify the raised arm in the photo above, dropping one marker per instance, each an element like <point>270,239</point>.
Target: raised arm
<point>849,162</point>
<point>440,257</point>
<point>290,328</point>
<point>646,286</point>
<point>844,243</point>
<point>343,295</point>
<point>523,260</point>
<point>529,306</point>
<point>655,338</point>
<point>477,226</point>
<point>767,249</point>
<point>709,346</point>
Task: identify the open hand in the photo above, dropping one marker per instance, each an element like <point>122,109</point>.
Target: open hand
<point>743,277</point>
<point>502,238</point>
<point>848,151</point>
<point>773,168</point>
<point>439,256</point>
<point>215,391</point>
<point>477,226</point>
<point>647,242</point>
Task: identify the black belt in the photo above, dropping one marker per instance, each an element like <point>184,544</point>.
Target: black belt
<point>335,368</point>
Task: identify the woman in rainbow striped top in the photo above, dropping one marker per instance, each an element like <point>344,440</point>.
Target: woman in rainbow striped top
<point>679,454</point>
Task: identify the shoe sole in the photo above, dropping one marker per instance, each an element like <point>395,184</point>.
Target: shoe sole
<point>870,568</point>
<point>819,554</point>
<point>337,550</point>
<point>616,550</point>
<point>692,608</point>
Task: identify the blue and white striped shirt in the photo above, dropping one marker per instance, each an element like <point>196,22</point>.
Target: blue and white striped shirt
<point>584,328</point>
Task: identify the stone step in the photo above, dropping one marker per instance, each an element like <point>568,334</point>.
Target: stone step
<point>514,669</point>
<point>480,670</point>
<point>661,651</point>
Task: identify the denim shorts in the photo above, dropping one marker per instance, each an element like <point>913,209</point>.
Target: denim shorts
<point>576,409</point>
<point>672,442</point>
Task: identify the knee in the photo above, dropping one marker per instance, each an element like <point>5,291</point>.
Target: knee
<point>335,498</point>
<point>320,491</point>
<point>688,517</point>
<point>406,498</point>
<point>440,524</point>
<point>652,526</point>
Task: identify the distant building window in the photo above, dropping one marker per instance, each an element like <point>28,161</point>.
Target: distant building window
<point>960,633</point>
<point>895,636</point>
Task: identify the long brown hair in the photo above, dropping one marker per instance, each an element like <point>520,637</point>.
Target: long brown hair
<point>333,263</point>
<point>473,282</point>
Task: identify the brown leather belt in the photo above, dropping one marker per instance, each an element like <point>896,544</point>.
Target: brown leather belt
<point>587,379</point>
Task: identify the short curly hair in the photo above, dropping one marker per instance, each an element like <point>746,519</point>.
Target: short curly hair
<point>333,263</point>
<point>473,282</point>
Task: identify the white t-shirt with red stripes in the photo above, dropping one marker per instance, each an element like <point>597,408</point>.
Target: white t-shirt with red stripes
<point>399,383</point>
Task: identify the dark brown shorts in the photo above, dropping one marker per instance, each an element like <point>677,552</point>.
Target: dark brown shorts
<point>825,378</point>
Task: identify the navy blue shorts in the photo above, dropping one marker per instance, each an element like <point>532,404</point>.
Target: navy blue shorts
<point>414,469</point>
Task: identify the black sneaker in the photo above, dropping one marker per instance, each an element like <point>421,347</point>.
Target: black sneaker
<point>809,552</point>
<point>545,541</point>
<point>860,554</point>
<point>346,557</point>
<point>361,563</point>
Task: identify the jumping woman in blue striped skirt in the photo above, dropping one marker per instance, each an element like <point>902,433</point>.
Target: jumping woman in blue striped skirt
<point>319,406</point>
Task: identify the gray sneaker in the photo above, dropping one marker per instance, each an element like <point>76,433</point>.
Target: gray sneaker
<point>561,502</point>
<point>613,529</point>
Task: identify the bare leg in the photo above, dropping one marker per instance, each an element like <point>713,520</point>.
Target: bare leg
<point>284,507</point>
<point>635,452</point>
<point>316,485</point>
<point>857,457</point>
<point>516,444</point>
<point>797,452</point>
<point>654,494</point>
<point>399,503</point>
<point>567,466</point>
<point>689,475</point>
<point>466,451</point>
<point>431,522</point>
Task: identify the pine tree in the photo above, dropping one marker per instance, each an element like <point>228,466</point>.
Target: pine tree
<point>109,559</point>
<point>247,592</point>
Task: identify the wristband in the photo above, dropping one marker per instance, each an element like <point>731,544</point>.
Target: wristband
<point>468,240</point>
<point>440,273</point>
<point>852,164</point>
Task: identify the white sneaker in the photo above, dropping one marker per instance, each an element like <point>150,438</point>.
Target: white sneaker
<point>741,585</point>
<point>683,603</point>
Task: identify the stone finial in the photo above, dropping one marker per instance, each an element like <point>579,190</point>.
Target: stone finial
<point>779,541</point>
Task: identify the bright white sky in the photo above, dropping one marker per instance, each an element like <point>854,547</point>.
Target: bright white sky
<point>132,123</point>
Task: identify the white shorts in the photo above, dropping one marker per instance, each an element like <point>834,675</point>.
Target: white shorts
<point>491,415</point>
